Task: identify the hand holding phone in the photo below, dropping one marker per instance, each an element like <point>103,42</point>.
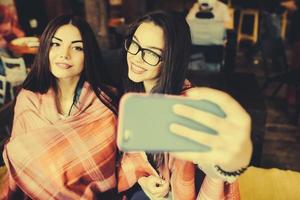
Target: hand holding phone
<point>231,148</point>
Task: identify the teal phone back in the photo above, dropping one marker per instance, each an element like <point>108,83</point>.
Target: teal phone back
<point>144,122</point>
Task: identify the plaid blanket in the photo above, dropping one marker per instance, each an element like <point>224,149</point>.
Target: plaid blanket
<point>179,173</point>
<point>52,158</point>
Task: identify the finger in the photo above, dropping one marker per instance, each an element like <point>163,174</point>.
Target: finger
<point>222,127</point>
<point>163,189</point>
<point>156,191</point>
<point>149,195</point>
<point>205,118</point>
<point>227,103</point>
<point>196,136</point>
<point>156,180</point>
<point>217,124</point>
<point>150,185</point>
<point>160,191</point>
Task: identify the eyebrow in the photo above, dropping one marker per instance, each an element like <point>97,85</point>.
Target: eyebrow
<point>148,46</point>
<point>75,41</point>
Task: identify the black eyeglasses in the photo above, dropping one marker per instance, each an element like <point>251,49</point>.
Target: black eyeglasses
<point>148,56</point>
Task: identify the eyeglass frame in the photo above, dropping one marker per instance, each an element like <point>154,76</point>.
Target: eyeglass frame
<point>160,58</point>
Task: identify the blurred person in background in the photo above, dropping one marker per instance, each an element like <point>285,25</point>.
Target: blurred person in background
<point>9,29</point>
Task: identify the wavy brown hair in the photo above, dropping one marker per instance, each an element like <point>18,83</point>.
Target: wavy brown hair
<point>40,79</point>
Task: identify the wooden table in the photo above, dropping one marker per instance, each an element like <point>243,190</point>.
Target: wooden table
<point>22,49</point>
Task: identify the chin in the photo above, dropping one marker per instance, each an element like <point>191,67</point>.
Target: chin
<point>134,78</point>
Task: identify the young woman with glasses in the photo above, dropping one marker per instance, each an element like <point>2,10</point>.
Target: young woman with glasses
<point>157,54</point>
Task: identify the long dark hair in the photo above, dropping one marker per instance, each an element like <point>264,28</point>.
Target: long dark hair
<point>175,59</point>
<point>40,79</point>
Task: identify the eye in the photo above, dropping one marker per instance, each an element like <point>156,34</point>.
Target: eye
<point>54,44</point>
<point>151,53</point>
<point>78,48</point>
<point>133,43</point>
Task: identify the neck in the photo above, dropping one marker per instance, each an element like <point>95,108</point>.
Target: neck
<point>66,88</point>
<point>149,84</point>
<point>66,91</point>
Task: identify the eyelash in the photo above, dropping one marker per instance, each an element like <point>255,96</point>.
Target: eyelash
<point>55,44</point>
<point>78,48</point>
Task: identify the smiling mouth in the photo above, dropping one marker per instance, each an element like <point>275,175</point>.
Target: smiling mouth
<point>136,69</point>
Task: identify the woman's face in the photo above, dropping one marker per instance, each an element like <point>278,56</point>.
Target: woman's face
<point>66,55</point>
<point>145,65</point>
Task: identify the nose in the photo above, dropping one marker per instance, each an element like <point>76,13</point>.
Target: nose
<point>64,52</point>
<point>64,56</point>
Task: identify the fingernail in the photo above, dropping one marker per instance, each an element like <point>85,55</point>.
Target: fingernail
<point>176,108</point>
<point>172,127</point>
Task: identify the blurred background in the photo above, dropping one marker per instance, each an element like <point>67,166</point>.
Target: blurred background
<point>254,57</point>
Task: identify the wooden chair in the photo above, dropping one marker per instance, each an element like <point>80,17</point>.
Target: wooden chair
<point>283,25</point>
<point>2,89</point>
<point>275,64</point>
<point>248,36</point>
<point>282,75</point>
<point>15,72</point>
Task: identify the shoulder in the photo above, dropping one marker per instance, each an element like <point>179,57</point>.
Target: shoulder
<point>26,99</point>
<point>187,85</point>
<point>27,95</point>
<point>221,8</point>
<point>221,5</point>
<point>221,11</point>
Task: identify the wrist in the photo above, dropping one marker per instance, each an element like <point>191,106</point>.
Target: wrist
<point>229,176</point>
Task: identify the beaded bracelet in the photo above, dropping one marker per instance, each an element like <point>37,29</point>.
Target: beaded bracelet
<point>231,174</point>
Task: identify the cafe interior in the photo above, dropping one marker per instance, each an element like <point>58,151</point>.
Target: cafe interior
<point>249,50</point>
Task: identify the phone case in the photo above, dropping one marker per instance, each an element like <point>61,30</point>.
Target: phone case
<point>144,121</point>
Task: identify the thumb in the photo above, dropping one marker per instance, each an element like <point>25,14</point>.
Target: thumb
<point>156,181</point>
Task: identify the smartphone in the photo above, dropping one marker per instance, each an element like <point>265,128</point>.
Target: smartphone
<point>144,120</point>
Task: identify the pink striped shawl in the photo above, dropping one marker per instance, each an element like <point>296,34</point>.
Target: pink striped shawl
<point>52,158</point>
